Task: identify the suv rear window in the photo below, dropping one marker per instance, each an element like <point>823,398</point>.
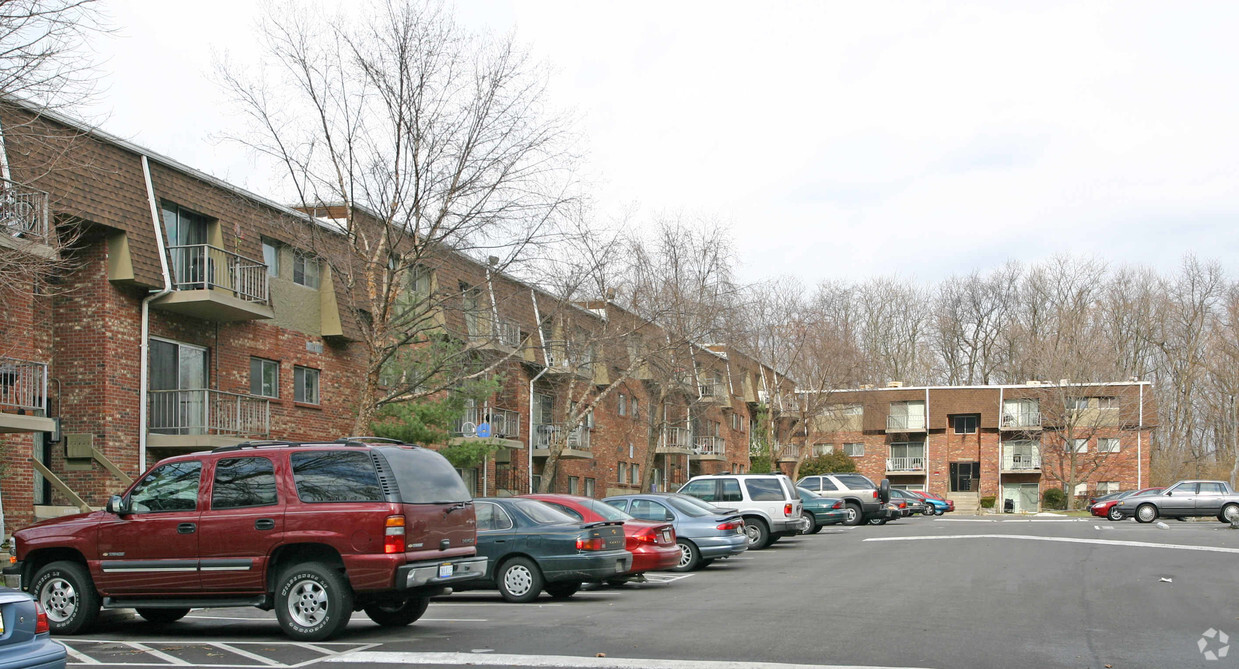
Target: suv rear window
<point>425,477</point>
<point>336,476</point>
<point>855,481</point>
<point>765,490</point>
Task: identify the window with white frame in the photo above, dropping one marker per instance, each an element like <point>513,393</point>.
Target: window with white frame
<point>966,424</point>
<point>636,409</point>
<point>621,405</point>
<point>1107,487</point>
<point>271,256</point>
<point>1080,445</point>
<point>306,270</point>
<point>1081,489</point>
<point>305,382</point>
<point>1107,402</point>
<point>574,485</point>
<point>1077,403</point>
<point>264,377</point>
<point>822,449</point>
<point>1107,445</point>
<point>622,472</point>
<point>589,487</point>
<point>636,473</point>
<point>855,449</point>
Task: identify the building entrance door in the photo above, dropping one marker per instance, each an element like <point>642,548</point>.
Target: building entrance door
<point>963,474</point>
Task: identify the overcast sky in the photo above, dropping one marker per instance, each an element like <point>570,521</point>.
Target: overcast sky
<point>836,140</point>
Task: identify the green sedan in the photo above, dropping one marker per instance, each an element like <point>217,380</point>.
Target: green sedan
<point>821,511</point>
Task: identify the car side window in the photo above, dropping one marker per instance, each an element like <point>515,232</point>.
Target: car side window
<point>649,510</point>
<point>827,484</point>
<point>764,490</point>
<point>703,490</point>
<point>243,482</point>
<point>336,476</point>
<point>1183,489</point>
<point>171,487</point>
<point>568,510</point>
<point>811,483</point>
<point>731,491</point>
<point>1211,489</point>
<point>491,517</point>
<point>621,504</point>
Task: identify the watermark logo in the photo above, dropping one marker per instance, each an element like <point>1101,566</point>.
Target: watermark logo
<point>1213,644</point>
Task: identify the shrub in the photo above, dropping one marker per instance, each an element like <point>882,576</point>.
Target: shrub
<point>834,461</point>
<point>988,502</point>
<point>1054,498</point>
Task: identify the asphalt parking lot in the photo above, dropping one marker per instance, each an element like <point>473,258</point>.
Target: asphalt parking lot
<point>923,592</point>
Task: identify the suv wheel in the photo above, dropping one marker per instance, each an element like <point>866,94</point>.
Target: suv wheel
<point>519,580</point>
<point>757,532</point>
<point>313,602</point>
<point>68,595</point>
<point>163,616</point>
<point>397,614</point>
<point>689,557</point>
<point>854,514</point>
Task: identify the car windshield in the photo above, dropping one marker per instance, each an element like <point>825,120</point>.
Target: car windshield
<point>425,477</point>
<point>543,514</point>
<point>689,506</point>
<point>605,510</point>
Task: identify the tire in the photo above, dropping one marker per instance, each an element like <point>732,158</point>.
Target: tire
<point>1114,513</point>
<point>397,614</point>
<point>876,521</point>
<point>564,589</point>
<point>163,616</point>
<point>816,529</point>
<point>690,557</point>
<point>939,511</point>
<point>757,532</point>
<point>1146,513</point>
<point>706,562</point>
<point>519,580</point>
<point>68,595</point>
<point>313,601</point>
<point>854,514</point>
<point>884,491</point>
<point>812,529</point>
<point>1229,514</point>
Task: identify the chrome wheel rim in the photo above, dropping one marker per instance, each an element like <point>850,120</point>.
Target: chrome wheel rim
<point>686,555</point>
<point>753,533</point>
<point>852,513</point>
<point>59,598</point>
<point>1231,513</point>
<point>517,580</point>
<point>1146,513</point>
<point>307,603</point>
<point>1115,514</point>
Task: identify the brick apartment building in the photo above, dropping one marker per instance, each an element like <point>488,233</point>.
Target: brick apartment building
<point>192,319</point>
<point>1011,442</point>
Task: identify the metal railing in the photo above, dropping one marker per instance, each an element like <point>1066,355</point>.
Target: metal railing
<point>504,423</point>
<point>1021,460</point>
<point>206,267</point>
<point>561,355</point>
<point>1021,419</point>
<point>709,446</point>
<point>675,437</point>
<point>205,411</point>
<point>905,423</point>
<point>577,439</point>
<point>24,212</point>
<point>916,464</point>
<point>505,331</point>
<point>711,389</point>
<point>23,385</point>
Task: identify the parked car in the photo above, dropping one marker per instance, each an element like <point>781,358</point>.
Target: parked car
<point>939,504</point>
<point>1184,499</point>
<point>768,503</point>
<point>1106,506</point>
<point>312,530</point>
<point>25,634</point>
<point>863,499</point>
<point>915,504</point>
<point>820,511</point>
<point>704,533</point>
<point>890,511</point>
<point>531,546</point>
<point>652,544</point>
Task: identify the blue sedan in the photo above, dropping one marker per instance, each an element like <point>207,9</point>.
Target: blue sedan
<point>25,640</point>
<point>704,533</point>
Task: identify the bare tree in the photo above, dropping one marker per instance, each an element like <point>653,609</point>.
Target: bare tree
<point>408,139</point>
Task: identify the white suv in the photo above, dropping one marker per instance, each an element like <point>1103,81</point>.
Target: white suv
<point>768,502</point>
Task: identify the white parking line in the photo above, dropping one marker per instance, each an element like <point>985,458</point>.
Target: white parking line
<point>562,661</point>
<point>245,653</point>
<point>271,618</point>
<point>159,654</point>
<point>1066,540</point>
<point>78,658</point>
<point>1011,520</point>
<point>78,651</point>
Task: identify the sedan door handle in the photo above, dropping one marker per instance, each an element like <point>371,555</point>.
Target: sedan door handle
<point>264,524</point>
<point>186,528</point>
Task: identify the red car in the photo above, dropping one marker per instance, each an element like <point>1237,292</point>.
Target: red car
<point>950,505</point>
<point>1108,508</point>
<point>652,544</point>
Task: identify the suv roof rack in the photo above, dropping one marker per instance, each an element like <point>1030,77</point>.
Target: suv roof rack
<point>283,443</point>
<point>382,440</point>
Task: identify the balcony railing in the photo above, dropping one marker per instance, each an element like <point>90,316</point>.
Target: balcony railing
<point>204,411</point>
<point>709,446</point>
<point>1021,420</point>
<point>503,423</point>
<point>577,439</point>
<point>564,357</point>
<point>712,390</point>
<point>675,438</point>
<point>916,464</point>
<point>206,267</point>
<point>905,423</point>
<point>24,212</point>
<point>23,385</point>
<point>505,332</point>
<point>1021,461</point>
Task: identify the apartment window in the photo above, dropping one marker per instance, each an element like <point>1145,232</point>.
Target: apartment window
<point>271,256</point>
<point>1077,403</point>
<point>636,409</point>
<point>305,380</point>
<point>855,450</point>
<point>907,416</point>
<point>1108,445</point>
<point>1081,489</point>
<point>574,485</point>
<point>966,424</point>
<point>419,280</point>
<point>853,410</point>
<point>264,377</point>
<point>1081,445</point>
<point>822,449</point>
<point>622,405</point>
<point>636,473</point>
<point>622,472</point>
<point>589,487</point>
<point>1107,402</point>
<point>1107,487</point>
<point>305,270</point>
<point>734,421</point>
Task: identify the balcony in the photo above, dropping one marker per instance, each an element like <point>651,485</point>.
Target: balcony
<point>23,396</point>
<point>675,441</point>
<point>502,335</point>
<point>205,418</point>
<point>905,423</point>
<point>1022,421</point>
<point>915,465</point>
<point>576,442</point>
<point>217,285</point>
<point>709,448</point>
<point>24,220</point>
<point>786,452</point>
<point>713,392</point>
<point>1025,462</point>
<point>503,427</point>
<point>564,358</point>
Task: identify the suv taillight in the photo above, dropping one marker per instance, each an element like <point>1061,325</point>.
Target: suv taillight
<point>393,535</point>
<point>40,620</point>
<point>591,544</point>
<point>787,509</point>
<point>875,494</point>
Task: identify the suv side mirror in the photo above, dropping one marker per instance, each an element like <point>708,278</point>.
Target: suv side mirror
<point>117,505</point>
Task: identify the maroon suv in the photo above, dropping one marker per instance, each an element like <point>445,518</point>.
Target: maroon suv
<point>313,530</point>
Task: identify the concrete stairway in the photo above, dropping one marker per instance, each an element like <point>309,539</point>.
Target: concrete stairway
<point>966,503</point>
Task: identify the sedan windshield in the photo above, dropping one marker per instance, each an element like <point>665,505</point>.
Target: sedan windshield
<point>687,507</point>
<point>607,511</point>
<point>543,514</point>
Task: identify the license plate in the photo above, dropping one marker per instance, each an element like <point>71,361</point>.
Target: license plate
<point>619,565</point>
<point>445,570</point>
<point>1,624</point>
<point>666,536</point>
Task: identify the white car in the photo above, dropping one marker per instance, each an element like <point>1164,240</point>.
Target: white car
<point>768,502</point>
